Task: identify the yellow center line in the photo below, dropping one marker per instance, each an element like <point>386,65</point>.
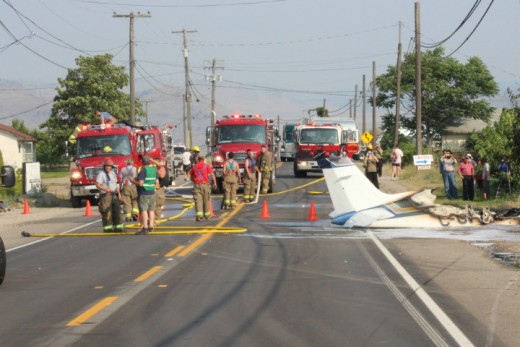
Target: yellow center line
<point>174,251</point>
<point>204,237</point>
<point>148,274</point>
<point>91,311</point>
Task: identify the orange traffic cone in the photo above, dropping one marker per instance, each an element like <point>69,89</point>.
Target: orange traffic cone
<point>26,207</point>
<point>212,213</point>
<point>88,210</point>
<point>265,210</point>
<point>312,212</point>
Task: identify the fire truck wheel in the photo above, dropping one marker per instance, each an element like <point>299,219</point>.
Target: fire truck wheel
<point>75,201</point>
<point>298,173</point>
<point>2,261</point>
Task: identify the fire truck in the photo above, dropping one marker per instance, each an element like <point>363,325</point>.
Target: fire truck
<point>312,139</point>
<point>120,142</point>
<point>237,133</point>
<point>349,135</point>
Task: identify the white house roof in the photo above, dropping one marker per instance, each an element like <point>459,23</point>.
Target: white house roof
<point>17,133</point>
<point>470,125</point>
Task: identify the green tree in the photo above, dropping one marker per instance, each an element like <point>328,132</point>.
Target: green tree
<point>451,91</point>
<point>322,112</point>
<point>95,85</point>
<point>496,140</point>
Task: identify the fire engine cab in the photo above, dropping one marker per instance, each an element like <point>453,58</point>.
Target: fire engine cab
<point>312,139</point>
<point>237,133</point>
<point>120,142</point>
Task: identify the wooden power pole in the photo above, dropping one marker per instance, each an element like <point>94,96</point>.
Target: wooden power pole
<point>364,101</point>
<point>187,81</point>
<point>132,15</point>
<point>398,91</point>
<point>374,125</point>
<point>418,95</point>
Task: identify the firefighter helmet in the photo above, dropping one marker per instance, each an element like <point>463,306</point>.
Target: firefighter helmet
<point>108,162</point>
<point>196,149</point>
<point>369,146</point>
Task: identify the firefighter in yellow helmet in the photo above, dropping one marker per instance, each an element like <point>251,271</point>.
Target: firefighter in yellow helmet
<point>110,195</point>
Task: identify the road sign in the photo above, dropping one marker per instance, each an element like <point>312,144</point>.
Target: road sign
<point>367,137</point>
<point>423,160</point>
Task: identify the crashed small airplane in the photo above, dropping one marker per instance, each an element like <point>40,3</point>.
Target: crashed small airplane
<point>357,203</point>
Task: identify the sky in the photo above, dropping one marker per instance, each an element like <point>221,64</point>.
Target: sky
<point>279,57</point>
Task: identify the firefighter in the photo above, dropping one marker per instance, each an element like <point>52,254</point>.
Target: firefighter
<point>200,173</point>
<point>265,166</point>
<point>249,177</point>
<point>106,182</point>
<point>194,154</point>
<point>128,177</point>
<point>163,180</point>
<point>231,181</point>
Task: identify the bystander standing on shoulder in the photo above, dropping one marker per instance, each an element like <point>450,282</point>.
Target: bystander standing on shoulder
<point>486,176</point>
<point>163,180</point>
<point>371,168</point>
<point>466,172</point>
<point>449,163</point>
<point>397,158</point>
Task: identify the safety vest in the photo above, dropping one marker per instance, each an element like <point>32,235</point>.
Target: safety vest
<point>149,181</point>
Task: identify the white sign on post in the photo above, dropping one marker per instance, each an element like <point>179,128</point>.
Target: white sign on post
<point>422,160</point>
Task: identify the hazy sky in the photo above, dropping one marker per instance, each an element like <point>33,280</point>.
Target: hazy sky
<point>291,53</point>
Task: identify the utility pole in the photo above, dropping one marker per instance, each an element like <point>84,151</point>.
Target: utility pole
<point>184,119</point>
<point>374,125</point>
<point>145,102</point>
<point>355,103</point>
<point>324,101</point>
<point>214,78</point>
<point>350,108</point>
<point>187,81</point>
<point>132,15</point>
<point>364,97</point>
<point>418,95</point>
<point>398,91</point>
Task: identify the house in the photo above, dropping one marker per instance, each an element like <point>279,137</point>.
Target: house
<point>455,136</point>
<point>17,147</point>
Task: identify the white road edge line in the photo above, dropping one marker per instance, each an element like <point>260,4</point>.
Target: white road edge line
<point>427,300</point>
<point>51,237</point>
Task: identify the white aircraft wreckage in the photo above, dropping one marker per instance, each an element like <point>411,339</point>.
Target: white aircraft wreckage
<point>358,203</point>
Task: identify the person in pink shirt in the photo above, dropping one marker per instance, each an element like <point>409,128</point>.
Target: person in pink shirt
<point>466,171</point>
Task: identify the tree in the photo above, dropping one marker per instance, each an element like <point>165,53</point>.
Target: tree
<point>497,140</point>
<point>451,91</point>
<point>322,112</point>
<point>95,85</point>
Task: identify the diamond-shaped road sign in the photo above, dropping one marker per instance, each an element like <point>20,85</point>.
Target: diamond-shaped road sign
<point>367,137</point>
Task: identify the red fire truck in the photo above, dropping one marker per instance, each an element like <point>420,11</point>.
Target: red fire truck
<point>311,139</point>
<point>237,133</point>
<point>120,142</point>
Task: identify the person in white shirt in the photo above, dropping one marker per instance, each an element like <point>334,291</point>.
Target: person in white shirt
<point>186,164</point>
<point>396,158</point>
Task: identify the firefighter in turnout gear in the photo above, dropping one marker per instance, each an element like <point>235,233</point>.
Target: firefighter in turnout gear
<point>163,180</point>
<point>128,177</point>
<point>200,173</point>
<point>249,177</point>
<point>106,182</point>
<point>265,167</point>
<point>231,181</point>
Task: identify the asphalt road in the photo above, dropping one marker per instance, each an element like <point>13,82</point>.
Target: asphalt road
<point>286,282</point>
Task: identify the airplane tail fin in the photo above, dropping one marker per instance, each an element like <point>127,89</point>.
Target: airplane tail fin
<point>351,191</point>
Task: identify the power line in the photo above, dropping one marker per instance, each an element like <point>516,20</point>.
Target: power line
<point>96,2</point>
<point>468,16</point>
<point>32,109</point>
<point>471,33</point>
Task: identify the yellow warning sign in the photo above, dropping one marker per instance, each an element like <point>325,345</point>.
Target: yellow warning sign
<point>367,137</point>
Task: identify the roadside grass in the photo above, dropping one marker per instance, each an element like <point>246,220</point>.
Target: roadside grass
<point>54,173</point>
<point>421,179</point>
